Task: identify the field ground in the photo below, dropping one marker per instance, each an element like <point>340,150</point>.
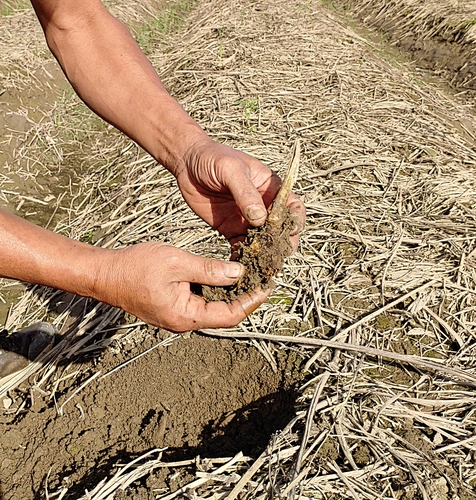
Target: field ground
<point>440,36</point>
<point>356,380</point>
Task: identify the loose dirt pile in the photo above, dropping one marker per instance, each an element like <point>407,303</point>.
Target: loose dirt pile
<point>175,397</point>
<point>376,310</point>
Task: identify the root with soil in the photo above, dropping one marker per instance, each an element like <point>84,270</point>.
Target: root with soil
<point>266,247</point>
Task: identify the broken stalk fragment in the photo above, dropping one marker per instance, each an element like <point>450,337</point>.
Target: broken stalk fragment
<point>278,208</point>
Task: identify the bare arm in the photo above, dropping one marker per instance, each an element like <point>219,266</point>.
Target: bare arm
<point>35,255</point>
<point>149,280</point>
<point>110,73</point>
<point>228,189</point>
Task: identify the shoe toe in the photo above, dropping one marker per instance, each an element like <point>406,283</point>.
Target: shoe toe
<point>11,362</point>
<point>43,339</point>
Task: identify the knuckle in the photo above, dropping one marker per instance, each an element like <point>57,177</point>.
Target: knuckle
<point>223,162</point>
<point>174,260</point>
<point>211,268</point>
<point>160,251</point>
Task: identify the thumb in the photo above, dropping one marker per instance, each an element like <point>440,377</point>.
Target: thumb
<point>214,272</point>
<point>247,198</point>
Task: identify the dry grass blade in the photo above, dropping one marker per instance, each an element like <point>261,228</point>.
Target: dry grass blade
<point>198,482</point>
<point>276,214</point>
<point>106,489</point>
<point>307,430</point>
<point>459,376</point>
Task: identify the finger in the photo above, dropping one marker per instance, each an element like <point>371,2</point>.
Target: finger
<point>222,315</point>
<point>247,198</point>
<point>195,269</point>
<point>294,242</point>
<point>251,301</point>
<point>298,213</point>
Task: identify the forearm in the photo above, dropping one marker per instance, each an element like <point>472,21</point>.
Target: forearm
<point>114,78</point>
<point>33,254</point>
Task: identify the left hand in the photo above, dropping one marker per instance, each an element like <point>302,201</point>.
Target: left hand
<point>152,281</point>
<point>232,190</point>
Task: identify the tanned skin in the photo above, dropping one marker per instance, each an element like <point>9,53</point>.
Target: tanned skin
<point>225,187</point>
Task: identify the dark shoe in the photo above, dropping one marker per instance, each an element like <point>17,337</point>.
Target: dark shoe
<point>18,348</point>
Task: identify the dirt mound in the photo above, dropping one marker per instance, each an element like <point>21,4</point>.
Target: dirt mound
<point>197,396</point>
<point>439,35</point>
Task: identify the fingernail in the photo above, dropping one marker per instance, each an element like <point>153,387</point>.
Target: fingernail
<point>233,270</point>
<point>255,212</point>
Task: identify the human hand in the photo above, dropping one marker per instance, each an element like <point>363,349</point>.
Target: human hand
<point>152,281</point>
<point>232,190</point>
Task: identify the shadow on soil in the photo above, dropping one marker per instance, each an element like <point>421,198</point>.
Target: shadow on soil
<point>248,429</point>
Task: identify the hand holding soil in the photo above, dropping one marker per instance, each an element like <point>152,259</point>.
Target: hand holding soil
<point>155,286</point>
<point>229,190</point>
<point>264,249</point>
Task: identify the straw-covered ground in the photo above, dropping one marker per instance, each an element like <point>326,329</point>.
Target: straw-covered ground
<point>440,34</point>
<point>356,379</point>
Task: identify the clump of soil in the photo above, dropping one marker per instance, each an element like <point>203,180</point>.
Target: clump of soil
<point>262,253</point>
<point>265,248</point>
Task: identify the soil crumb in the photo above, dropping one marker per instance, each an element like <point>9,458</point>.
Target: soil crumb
<point>262,253</point>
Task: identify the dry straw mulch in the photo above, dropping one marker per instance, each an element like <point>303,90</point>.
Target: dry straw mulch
<point>380,298</point>
<point>440,32</point>
<point>449,19</point>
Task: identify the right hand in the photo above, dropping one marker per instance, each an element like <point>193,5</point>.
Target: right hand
<point>231,190</point>
<point>152,282</point>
